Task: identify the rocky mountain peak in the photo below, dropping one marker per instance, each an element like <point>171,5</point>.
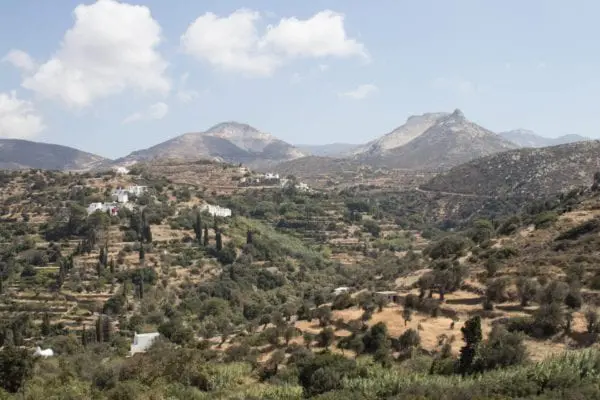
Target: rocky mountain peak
<point>231,126</point>
<point>458,114</point>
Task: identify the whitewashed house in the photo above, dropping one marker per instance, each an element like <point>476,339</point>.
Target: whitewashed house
<point>121,171</point>
<point>216,211</point>
<point>111,208</point>
<point>120,195</point>
<point>137,190</point>
<point>270,176</point>
<point>93,207</point>
<point>142,341</point>
<point>303,187</point>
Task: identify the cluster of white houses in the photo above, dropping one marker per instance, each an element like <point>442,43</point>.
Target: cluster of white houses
<point>272,179</point>
<point>216,211</point>
<point>120,197</point>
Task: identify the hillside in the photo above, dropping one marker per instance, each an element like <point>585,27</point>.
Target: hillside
<point>450,140</point>
<point>229,141</point>
<point>23,154</point>
<point>526,138</point>
<point>524,172</point>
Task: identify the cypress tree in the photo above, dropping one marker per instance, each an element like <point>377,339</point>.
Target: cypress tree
<point>1,283</point>
<point>99,337</point>
<point>106,328</point>
<point>142,252</point>
<point>249,237</point>
<point>111,264</point>
<point>206,238</point>
<point>101,256</point>
<point>84,336</point>
<point>141,288</point>
<point>219,242</point>
<point>198,228</point>
<point>45,328</point>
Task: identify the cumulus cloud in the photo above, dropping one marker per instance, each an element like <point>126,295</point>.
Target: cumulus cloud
<point>18,118</point>
<point>361,92</point>
<point>111,47</point>
<point>155,111</point>
<point>20,60</point>
<point>234,42</point>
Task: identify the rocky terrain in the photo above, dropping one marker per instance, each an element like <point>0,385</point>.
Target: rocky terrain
<point>22,154</point>
<point>527,138</point>
<point>524,172</point>
<point>229,141</point>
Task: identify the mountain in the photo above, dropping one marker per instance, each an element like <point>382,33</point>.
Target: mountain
<point>525,172</point>
<point>228,141</point>
<point>433,141</point>
<point>415,126</point>
<point>526,138</point>
<point>23,154</point>
<point>328,150</point>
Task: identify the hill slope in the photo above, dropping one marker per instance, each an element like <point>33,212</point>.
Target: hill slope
<point>228,141</point>
<point>22,154</point>
<point>526,138</point>
<point>450,140</point>
<point>524,172</point>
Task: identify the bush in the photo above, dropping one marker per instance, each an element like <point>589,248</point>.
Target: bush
<point>343,301</point>
<point>545,219</point>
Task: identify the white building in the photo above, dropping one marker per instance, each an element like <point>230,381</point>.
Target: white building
<point>216,211</point>
<point>137,190</point>
<point>270,175</point>
<point>142,341</point>
<point>303,187</point>
<point>112,208</point>
<point>121,171</point>
<point>120,195</point>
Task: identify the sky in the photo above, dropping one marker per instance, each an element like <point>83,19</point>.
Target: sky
<point>110,77</point>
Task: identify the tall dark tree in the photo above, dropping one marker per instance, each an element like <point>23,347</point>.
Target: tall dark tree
<point>16,366</point>
<point>249,237</point>
<point>206,238</point>
<point>111,265</point>
<point>472,336</point>
<point>141,288</point>
<point>99,331</point>
<point>198,228</point>
<point>84,336</point>
<point>106,328</point>
<point>45,327</point>
<point>218,240</point>
<point>147,234</point>
<point>142,252</point>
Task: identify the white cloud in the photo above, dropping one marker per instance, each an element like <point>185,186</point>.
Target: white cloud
<point>183,94</point>
<point>18,118</point>
<point>234,43</point>
<point>111,47</point>
<point>20,60</point>
<point>360,92</point>
<point>155,111</point>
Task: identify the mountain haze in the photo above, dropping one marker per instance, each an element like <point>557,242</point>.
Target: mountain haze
<point>23,154</point>
<point>328,150</point>
<point>527,138</point>
<point>229,141</point>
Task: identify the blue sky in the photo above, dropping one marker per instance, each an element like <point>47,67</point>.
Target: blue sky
<point>128,77</point>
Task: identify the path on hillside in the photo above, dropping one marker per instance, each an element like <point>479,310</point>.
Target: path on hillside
<point>418,189</point>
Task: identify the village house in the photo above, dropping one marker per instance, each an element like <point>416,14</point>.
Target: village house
<point>303,187</point>
<point>271,176</point>
<point>137,190</point>
<point>142,341</point>
<point>216,211</point>
<point>111,208</point>
<point>121,171</point>
<point>120,195</point>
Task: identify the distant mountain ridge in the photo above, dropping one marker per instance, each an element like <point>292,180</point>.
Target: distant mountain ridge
<point>434,141</point>
<point>527,138</point>
<point>24,154</point>
<point>228,141</point>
